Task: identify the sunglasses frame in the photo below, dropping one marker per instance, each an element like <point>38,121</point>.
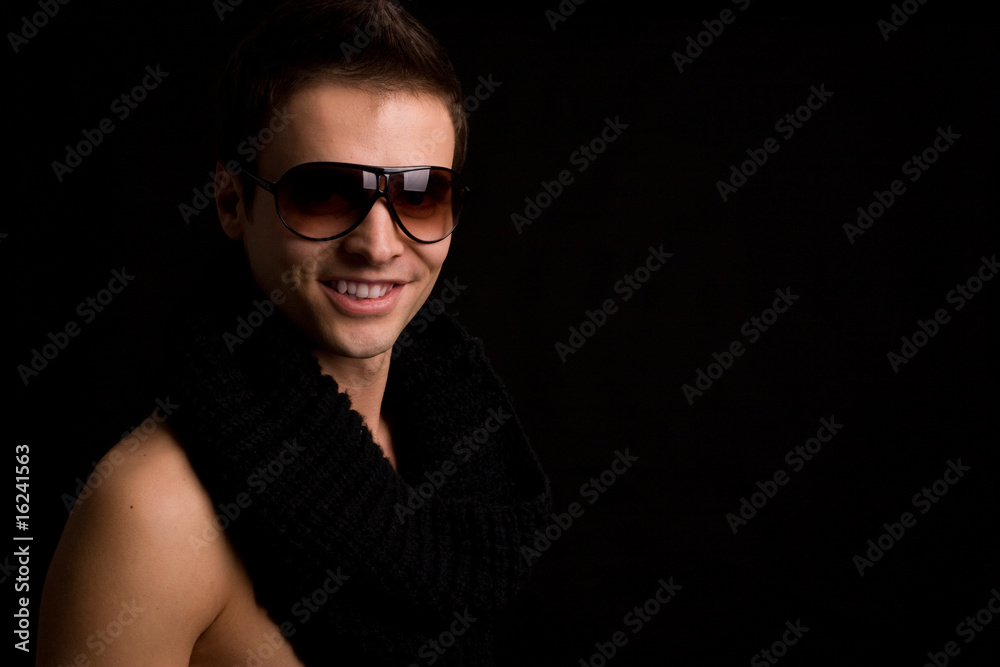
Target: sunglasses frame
<point>381,190</point>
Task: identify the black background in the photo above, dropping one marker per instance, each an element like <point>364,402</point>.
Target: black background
<point>654,185</point>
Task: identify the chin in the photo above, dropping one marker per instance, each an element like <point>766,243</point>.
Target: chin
<point>358,342</point>
<point>357,349</point>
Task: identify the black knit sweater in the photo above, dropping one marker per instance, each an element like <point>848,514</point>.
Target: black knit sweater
<point>386,560</point>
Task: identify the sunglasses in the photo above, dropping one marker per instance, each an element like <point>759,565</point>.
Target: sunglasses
<point>322,201</point>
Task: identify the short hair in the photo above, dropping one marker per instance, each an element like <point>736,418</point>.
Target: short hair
<point>375,45</point>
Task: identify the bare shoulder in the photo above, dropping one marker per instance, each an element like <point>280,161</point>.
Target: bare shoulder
<point>127,584</point>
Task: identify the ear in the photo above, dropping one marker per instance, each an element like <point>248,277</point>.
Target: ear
<point>228,197</point>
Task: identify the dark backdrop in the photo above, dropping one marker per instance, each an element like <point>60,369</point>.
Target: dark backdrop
<point>617,386</point>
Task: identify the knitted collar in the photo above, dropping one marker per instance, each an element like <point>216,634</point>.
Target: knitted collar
<point>270,435</point>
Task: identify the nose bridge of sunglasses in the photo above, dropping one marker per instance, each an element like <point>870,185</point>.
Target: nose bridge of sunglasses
<point>373,181</point>
<point>380,184</point>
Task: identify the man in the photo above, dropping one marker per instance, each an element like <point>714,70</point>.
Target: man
<point>314,500</point>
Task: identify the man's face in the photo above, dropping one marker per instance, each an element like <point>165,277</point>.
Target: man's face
<point>337,123</point>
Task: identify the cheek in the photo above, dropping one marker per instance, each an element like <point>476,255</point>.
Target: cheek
<point>433,257</point>
<point>303,259</point>
<point>278,259</point>
<point>436,253</point>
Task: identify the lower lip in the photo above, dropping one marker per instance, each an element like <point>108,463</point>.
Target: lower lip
<point>349,306</point>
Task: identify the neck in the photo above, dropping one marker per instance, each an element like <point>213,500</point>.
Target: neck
<point>363,380</point>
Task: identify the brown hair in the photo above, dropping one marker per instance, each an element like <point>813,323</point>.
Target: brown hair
<point>373,44</point>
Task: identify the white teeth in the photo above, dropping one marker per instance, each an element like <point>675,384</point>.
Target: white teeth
<point>362,290</point>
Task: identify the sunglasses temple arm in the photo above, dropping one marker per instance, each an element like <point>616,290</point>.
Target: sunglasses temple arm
<point>266,185</point>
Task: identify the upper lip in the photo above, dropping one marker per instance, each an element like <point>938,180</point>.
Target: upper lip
<point>367,281</point>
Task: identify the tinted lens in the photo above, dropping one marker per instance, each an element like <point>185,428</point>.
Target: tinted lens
<point>427,201</point>
<point>319,201</point>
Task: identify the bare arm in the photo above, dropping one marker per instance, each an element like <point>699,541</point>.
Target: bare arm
<point>124,586</point>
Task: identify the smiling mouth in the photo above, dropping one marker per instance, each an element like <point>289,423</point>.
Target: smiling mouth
<point>359,291</point>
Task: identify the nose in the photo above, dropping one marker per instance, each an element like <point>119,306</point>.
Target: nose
<point>378,239</point>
